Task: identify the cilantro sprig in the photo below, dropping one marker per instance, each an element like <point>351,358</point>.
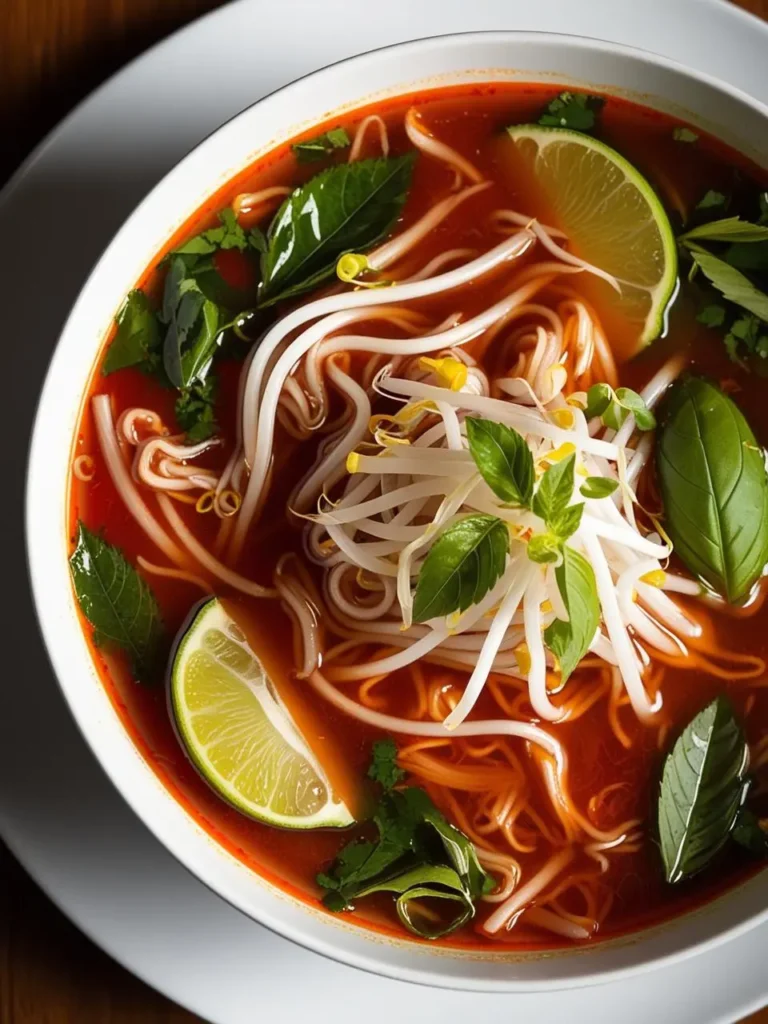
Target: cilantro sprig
<point>575,110</point>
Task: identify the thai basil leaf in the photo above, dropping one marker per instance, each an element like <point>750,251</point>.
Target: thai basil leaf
<point>462,565</point>
<point>504,460</point>
<point>702,789</point>
<point>569,641</point>
<point>321,146</point>
<point>714,487</point>
<point>749,833</point>
<point>137,337</point>
<point>729,229</point>
<point>117,602</point>
<point>545,548</point>
<point>575,110</point>
<point>598,487</point>
<point>347,208</point>
<point>555,489</point>
<point>197,359</point>
<point>730,282</point>
<point>429,882</point>
<point>567,522</point>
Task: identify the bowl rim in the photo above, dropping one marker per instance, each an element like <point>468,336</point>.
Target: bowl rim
<point>34,490</point>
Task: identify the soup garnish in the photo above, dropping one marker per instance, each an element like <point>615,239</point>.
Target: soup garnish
<point>451,411</point>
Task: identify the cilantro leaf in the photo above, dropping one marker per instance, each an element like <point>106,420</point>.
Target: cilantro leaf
<point>137,337</point>
<point>321,146</point>
<point>712,315</point>
<point>195,410</point>
<point>730,282</point>
<point>384,767</point>
<point>229,235</point>
<point>712,200</point>
<point>575,110</point>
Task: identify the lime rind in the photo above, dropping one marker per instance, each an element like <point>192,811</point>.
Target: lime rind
<point>661,289</point>
<point>246,729</point>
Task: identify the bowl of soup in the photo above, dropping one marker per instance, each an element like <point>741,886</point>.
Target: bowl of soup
<point>398,513</point>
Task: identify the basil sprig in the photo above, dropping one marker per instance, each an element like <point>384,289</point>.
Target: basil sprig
<point>714,487</point>
<point>569,641</point>
<point>703,786</point>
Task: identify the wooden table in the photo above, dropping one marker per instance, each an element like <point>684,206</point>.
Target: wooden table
<point>52,54</point>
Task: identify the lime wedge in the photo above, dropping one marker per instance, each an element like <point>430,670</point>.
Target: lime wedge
<point>611,215</point>
<point>239,733</point>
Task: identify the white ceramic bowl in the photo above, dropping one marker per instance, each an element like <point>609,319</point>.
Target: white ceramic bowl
<point>582,63</point>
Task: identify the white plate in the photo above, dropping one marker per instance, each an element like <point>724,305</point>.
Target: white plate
<point>56,809</point>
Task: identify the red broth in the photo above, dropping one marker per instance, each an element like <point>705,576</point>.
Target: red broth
<point>469,119</point>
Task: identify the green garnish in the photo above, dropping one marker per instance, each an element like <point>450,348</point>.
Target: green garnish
<point>137,338</point>
<point>712,200</point>
<point>346,208</point>
<point>703,786</point>
<point>418,855</point>
<point>598,487</point>
<point>714,487</point>
<point>384,767</point>
<point>504,460</point>
<point>575,110</point>
<point>195,410</point>
<point>751,832</point>
<point>569,641</point>
<point>683,134</point>
<point>117,602</point>
<point>613,407</point>
<point>462,565</point>
<point>321,146</point>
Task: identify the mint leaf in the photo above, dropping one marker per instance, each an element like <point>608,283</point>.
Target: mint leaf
<point>117,602</point>
<point>569,641</point>
<point>462,565</point>
<point>137,337</point>
<point>504,460</point>
<point>575,110</point>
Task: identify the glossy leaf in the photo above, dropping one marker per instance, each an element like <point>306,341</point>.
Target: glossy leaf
<point>714,487</point>
<point>116,601</point>
<point>137,336</point>
<point>427,883</point>
<point>569,641</point>
<point>504,460</point>
<point>555,489</point>
<point>729,229</point>
<point>597,487</point>
<point>731,283</point>
<point>461,567</point>
<point>702,789</point>
<point>347,208</point>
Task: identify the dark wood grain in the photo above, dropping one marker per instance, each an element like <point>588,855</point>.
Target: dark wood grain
<point>52,54</point>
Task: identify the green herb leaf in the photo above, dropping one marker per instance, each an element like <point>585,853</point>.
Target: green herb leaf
<point>714,487</point>
<point>545,548</point>
<point>750,833</point>
<point>575,110</point>
<point>321,146</point>
<point>427,883</point>
<point>569,641</point>
<point>702,789</point>
<point>712,316</point>
<point>729,229</point>
<point>683,134</point>
<point>228,236</point>
<point>632,402</point>
<point>712,200</point>
<point>347,208</point>
<point>195,410</point>
<point>117,602</point>
<point>731,282</point>
<point>504,460</point>
<point>599,398</point>
<point>598,487</point>
<point>462,565</point>
<point>748,336</point>
<point>567,522</point>
<point>748,255</point>
<point>138,334</point>
<point>384,767</point>
<point>555,489</point>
